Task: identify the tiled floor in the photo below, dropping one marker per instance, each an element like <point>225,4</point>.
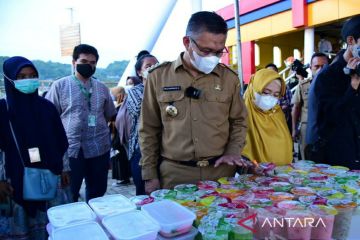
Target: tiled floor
<point>127,190</point>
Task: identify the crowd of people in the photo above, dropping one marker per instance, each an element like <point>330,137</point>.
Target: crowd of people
<point>175,122</point>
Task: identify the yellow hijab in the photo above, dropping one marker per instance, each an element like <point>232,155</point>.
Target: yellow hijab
<point>268,138</point>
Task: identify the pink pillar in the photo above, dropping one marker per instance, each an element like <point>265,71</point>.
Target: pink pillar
<point>248,59</point>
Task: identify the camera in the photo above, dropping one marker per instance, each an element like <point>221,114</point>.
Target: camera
<point>192,92</point>
<point>300,68</point>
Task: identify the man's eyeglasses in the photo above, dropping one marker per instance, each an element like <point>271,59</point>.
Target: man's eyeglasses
<point>206,52</point>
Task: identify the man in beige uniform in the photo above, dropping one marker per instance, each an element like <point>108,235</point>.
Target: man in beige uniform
<point>193,120</point>
<point>300,100</point>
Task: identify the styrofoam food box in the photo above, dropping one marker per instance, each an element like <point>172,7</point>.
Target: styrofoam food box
<point>186,236</point>
<point>173,218</point>
<point>131,225</point>
<point>111,204</point>
<point>87,230</point>
<point>63,215</point>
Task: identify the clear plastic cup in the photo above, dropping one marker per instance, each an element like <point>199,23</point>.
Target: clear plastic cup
<point>343,219</point>
<point>324,217</point>
<point>268,223</point>
<point>298,227</point>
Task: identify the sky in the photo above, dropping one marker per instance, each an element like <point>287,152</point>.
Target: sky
<point>119,29</point>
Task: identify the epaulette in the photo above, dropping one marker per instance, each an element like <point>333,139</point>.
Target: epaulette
<point>158,65</point>
<point>227,67</point>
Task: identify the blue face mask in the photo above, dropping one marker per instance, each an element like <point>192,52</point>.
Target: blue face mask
<point>27,86</point>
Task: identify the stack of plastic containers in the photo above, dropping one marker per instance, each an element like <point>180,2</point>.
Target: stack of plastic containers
<point>131,225</point>
<point>71,221</point>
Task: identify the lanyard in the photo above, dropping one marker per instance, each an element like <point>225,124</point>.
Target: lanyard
<point>85,92</point>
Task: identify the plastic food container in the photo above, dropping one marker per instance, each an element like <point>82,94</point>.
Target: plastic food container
<point>302,191</point>
<point>163,194</point>
<point>343,219</point>
<point>207,185</point>
<point>324,217</point>
<point>260,202</point>
<point>262,192</point>
<point>186,188</point>
<point>141,200</point>
<point>88,230</point>
<point>173,218</point>
<point>66,214</point>
<point>281,186</point>
<point>291,205</point>
<point>187,236</point>
<point>111,204</point>
<point>281,196</point>
<point>131,225</point>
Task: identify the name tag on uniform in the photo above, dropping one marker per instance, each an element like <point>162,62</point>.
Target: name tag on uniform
<point>171,88</point>
<point>91,121</point>
<point>34,154</point>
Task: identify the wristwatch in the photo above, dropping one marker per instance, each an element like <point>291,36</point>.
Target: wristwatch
<point>349,71</point>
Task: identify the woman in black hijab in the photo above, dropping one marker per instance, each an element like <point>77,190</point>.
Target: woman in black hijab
<point>36,124</point>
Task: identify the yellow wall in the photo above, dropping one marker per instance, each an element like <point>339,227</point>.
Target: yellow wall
<point>319,12</point>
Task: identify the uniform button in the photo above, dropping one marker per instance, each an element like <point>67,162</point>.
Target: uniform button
<point>195,119</point>
<point>196,140</point>
<point>359,136</point>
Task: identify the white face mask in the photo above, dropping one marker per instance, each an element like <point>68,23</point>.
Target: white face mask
<point>127,88</point>
<point>204,64</point>
<point>265,102</point>
<point>356,50</point>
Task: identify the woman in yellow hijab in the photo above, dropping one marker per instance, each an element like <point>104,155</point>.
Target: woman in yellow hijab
<point>268,138</point>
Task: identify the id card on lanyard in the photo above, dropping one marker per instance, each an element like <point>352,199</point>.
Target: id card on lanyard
<point>87,94</point>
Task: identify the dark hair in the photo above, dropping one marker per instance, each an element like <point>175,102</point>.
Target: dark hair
<point>142,53</point>
<point>318,54</point>
<point>140,62</point>
<point>272,66</point>
<point>206,22</point>
<point>84,48</point>
<point>136,80</point>
<point>351,28</point>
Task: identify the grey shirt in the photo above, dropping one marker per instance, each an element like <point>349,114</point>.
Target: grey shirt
<point>74,111</point>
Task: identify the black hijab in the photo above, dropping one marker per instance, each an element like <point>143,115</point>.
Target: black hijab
<point>36,123</point>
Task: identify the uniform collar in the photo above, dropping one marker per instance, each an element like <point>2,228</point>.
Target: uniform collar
<point>179,63</point>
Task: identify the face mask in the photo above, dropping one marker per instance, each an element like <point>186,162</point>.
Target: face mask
<point>145,73</point>
<point>265,102</point>
<point>204,64</point>
<point>127,87</point>
<point>356,50</point>
<point>27,86</point>
<point>85,70</point>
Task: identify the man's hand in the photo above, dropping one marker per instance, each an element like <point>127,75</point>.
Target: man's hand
<point>5,191</point>
<point>233,160</point>
<point>65,179</point>
<point>152,185</point>
<point>355,79</point>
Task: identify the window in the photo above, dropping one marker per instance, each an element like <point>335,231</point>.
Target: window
<point>257,55</point>
<point>297,54</point>
<point>277,56</point>
<point>234,54</point>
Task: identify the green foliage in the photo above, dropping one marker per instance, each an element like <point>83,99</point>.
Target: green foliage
<point>53,70</point>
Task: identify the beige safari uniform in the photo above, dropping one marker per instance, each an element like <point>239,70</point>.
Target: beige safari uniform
<point>211,126</point>
<point>301,96</point>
